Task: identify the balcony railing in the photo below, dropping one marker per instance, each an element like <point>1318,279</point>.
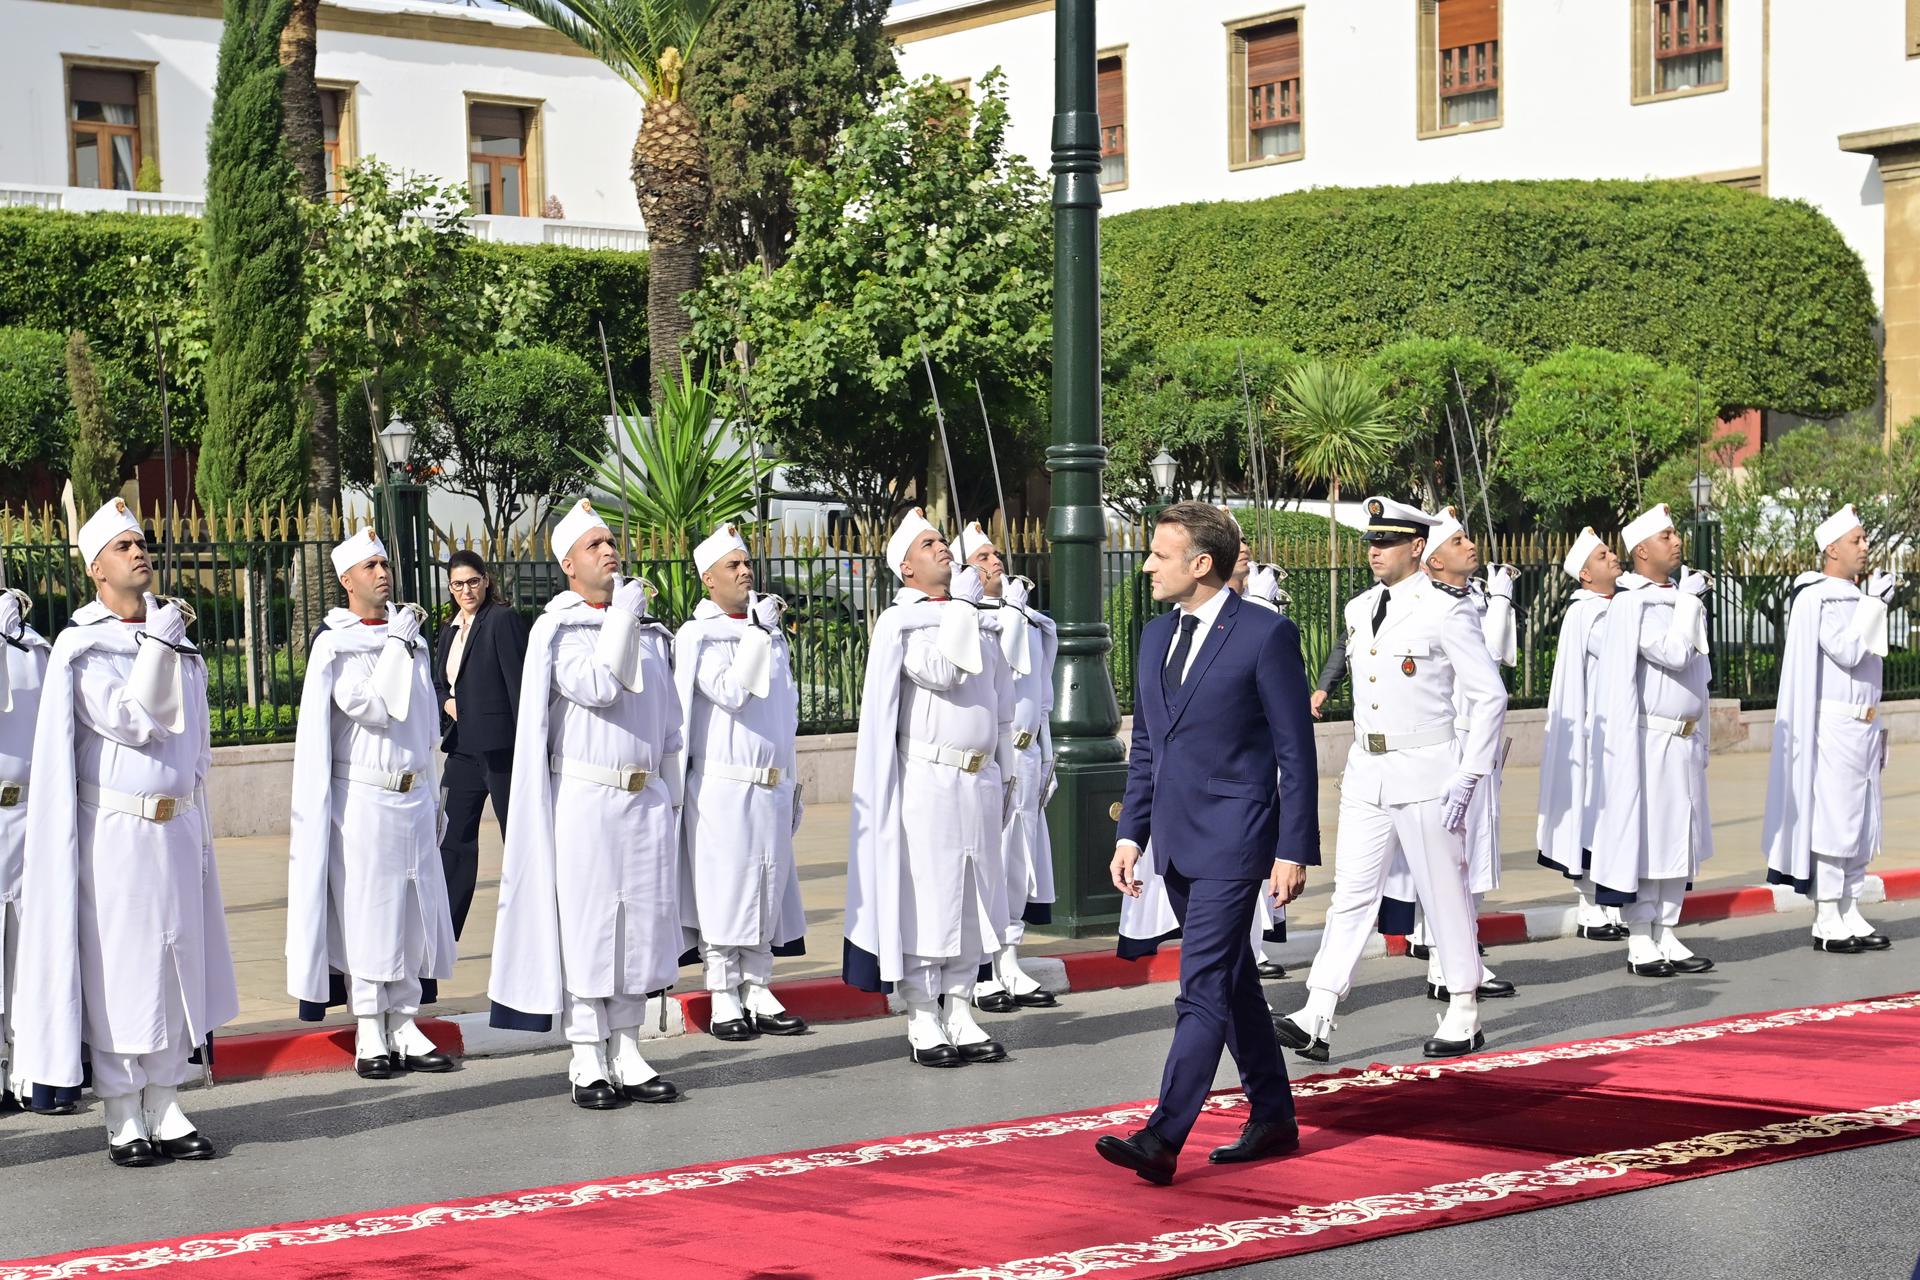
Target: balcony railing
<point>98,200</point>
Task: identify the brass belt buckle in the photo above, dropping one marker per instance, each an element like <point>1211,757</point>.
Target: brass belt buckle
<point>163,808</point>
<point>1377,743</point>
<point>1686,728</point>
<point>9,795</point>
<point>637,779</point>
<point>406,783</point>
<point>773,776</point>
<point>1022,740</point>
<point>976,761</point>
<point>1866,719</point>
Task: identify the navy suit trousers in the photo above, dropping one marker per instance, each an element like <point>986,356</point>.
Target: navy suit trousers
<point>1220,1006</point>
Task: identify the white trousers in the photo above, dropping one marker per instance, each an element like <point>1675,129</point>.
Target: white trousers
<point>1656,902</point>
<point>1837,878</point>
<point>370,999</point>
<point>728,967</point>
<point>1370,836</point>
<point>118,1075</point>
<point>934,976</point>
<point>594,1020</point>
<point>9,966</point>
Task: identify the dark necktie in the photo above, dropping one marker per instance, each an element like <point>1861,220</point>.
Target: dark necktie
<point>1174,674</point>
<point>1380,610</point>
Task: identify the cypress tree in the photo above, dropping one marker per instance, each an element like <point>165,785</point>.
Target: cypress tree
<point>93,455</point>
<point>254,447</point>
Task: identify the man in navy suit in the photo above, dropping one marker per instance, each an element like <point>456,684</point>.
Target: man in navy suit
<point>1220,712</point>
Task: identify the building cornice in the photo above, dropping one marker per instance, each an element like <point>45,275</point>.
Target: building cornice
<point>962,17</point>
<point>450,28</point>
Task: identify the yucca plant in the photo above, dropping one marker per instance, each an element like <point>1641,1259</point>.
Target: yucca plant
<point>647,43</point>
<point>1333,422</point>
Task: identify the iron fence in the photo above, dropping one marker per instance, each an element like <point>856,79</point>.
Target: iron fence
<point>261,585</point>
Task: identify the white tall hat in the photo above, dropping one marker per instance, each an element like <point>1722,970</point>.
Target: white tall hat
<point>972,538</point>
<point>912,525</point>
<point>580,517</point>
<point>106,524</point>
<point>1835,527</point>
<point>1581,551</point>
<point>1645,525</point>
<point>1445,525</point>
<point>363,545</point>
<point>720,544</point>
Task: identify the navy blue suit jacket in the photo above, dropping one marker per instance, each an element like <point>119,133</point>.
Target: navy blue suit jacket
<point>1201,780</point>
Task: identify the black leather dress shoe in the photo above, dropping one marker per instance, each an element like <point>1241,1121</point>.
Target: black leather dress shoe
<point>1438,1048</point>
<point>379,1067</point>
<point>1491,989</point>
<point>188,1147</point>
<point>1037,999</point>
<point>138,1154</point>
<point>431,1064</point>
<point>1692,964</point>
<point>1419,951</point>
<point>1300,1040</point>
<point>1258,1140</point>
<point>734,1029</point>
<point>1270,970</point>
<point>778,1024</point>
<point>654,1090</point>
<point>985,1051</point>
<point>997,1002</point>
<point>1143,1152</point>
<point>1838,946</point>
<point>8,1102</point>
<point>1652,969</point>
<point>1873,941</point>
<point>1602,932</point>
<point>598,1096</point>
<point>941,1055</point>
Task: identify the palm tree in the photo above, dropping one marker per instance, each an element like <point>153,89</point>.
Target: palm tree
<point>646,43</point>
<point>1334,425</point>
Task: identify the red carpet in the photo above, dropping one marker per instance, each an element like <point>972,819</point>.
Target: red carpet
<point>1387,1150</point>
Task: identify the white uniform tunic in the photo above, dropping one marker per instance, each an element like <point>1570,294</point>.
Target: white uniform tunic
<point>743,889</point>
<point>26,661</point>
<point>1846,785</point>
<point>1564,829</point>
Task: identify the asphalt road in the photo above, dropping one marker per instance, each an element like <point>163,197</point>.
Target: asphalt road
<point>307,1146</point>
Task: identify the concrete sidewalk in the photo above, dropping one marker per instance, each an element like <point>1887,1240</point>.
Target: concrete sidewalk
<point>253,875</point>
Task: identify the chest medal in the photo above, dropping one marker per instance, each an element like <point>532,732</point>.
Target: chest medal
<point>1406,667</point>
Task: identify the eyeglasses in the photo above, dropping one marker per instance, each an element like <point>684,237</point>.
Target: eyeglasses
<point>466,584</point>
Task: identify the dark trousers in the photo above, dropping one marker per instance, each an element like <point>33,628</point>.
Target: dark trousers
<point>469,779</point>
<point>1219,1007</point>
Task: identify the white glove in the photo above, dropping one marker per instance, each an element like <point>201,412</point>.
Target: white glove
<point>766,611</point>
<point>799,809</point>
<point>1500,582</point>
<point>1881,586</point>
<point>1695,583</point>
<point>958,638</point>
<point>967,586</point>
<point>1016,592</point>
<point>403,624</point>
<point>1453,812</point>
<point>12,625</point>
<point>165,622</point>
<point>631,597</point>
<point>1263,583</point>
<point>752,662</point>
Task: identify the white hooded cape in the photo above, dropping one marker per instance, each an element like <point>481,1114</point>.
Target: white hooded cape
<point>1564,822</point>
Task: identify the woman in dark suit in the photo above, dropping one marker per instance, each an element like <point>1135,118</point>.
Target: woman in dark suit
<point>476,669</point>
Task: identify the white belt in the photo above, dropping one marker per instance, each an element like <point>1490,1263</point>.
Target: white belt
<point>1024,738</point>
<point>1381,743</point>
<point>152,808</point>
<point>1849,710</point>
<point>1666,724</point>
<point>618,779</point>
<point>964,761</point>
<point>401,782</point>
<point>768,777</point>
<point>12,793</point>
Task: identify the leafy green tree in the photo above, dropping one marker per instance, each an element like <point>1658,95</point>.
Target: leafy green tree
<point>774,82</point>
<point>254,447</point>
<point>510,426</point>
<point>93,454</point>
<point>1334,425</point>
<point>1448,399</point>
<point>34,408</point>
<point>920,233</point>
<point>1588,427</point>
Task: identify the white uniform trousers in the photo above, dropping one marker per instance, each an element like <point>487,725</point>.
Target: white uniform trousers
<point>1656,902</point>
<point>371,999</point>
<point>593,1020</point>
<point>728,967</point>
<point>9,966</point>
<point>1370,835</point>
<point>119,1075</point>
<point>935,976</point>
<point>1835,879</point>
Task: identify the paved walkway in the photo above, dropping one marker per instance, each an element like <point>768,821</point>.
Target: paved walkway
<point>253,875</point>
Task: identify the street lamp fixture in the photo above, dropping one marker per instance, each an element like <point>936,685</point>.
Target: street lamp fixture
<point>1701,490</point>
<point>1163,468</point>
<point>396,442</point>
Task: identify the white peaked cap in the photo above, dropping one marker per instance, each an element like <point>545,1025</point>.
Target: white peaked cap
<point>722,543</point>
<point>972,538</point>
<point>580,517</point>
<point>1445,525</point>
<point>1645,525</point>
<point>1835,527</point>
<point>1387,518</point>
<point>912,525</point>
<point>1581,551</point>
<point>363,545</point>
<point>106,524</point>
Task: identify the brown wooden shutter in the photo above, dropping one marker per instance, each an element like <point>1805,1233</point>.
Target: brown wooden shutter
<point>1465,22</point>
<point>99,84</point>
<point>1273,52</point>
<point>1113,94</point>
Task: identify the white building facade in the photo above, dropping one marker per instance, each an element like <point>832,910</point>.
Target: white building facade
<point>1239,99</point>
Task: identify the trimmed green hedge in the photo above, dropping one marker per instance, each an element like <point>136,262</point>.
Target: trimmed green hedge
<point>64,270</point>
<point>1760,298</point>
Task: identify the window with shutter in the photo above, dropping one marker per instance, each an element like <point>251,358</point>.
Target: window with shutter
<point>1112,71</point>
<point>1468,37</point>
<point>333,108</point>
<point>1269,106</point>
<point>1689,44</point>
<point>497,157</point>
<point>103,129</point>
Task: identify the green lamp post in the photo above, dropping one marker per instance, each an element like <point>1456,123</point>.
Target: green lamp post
<point>1091,766</point>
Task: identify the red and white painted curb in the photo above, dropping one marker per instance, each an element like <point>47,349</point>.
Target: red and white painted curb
<point>243,1057</point>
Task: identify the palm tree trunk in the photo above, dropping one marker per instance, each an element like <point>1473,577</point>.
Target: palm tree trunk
<point>671,181</point>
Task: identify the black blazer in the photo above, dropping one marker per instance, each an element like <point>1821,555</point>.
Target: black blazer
<point>488,690</point>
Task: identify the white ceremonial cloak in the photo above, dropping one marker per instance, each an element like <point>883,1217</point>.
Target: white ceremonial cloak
<point>1564,827</point>
<point>917,824</point>
<point>122,916</point>
<point>26,661</point>
<point>362,859</point>
<point>1823,781</point>
<point>589,892</point>
<point>1648,786</point>
<point>739,885</point>
<point>1026,843</point>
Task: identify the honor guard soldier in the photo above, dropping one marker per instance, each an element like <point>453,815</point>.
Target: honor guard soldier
<point>1419,662</point>
<point>23,667</point>
<point>1823,818</point>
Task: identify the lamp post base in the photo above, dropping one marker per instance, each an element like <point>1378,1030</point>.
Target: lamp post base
<point>1083,819</point>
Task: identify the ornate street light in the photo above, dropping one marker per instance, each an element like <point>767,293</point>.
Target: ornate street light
<point>1163,468</point>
